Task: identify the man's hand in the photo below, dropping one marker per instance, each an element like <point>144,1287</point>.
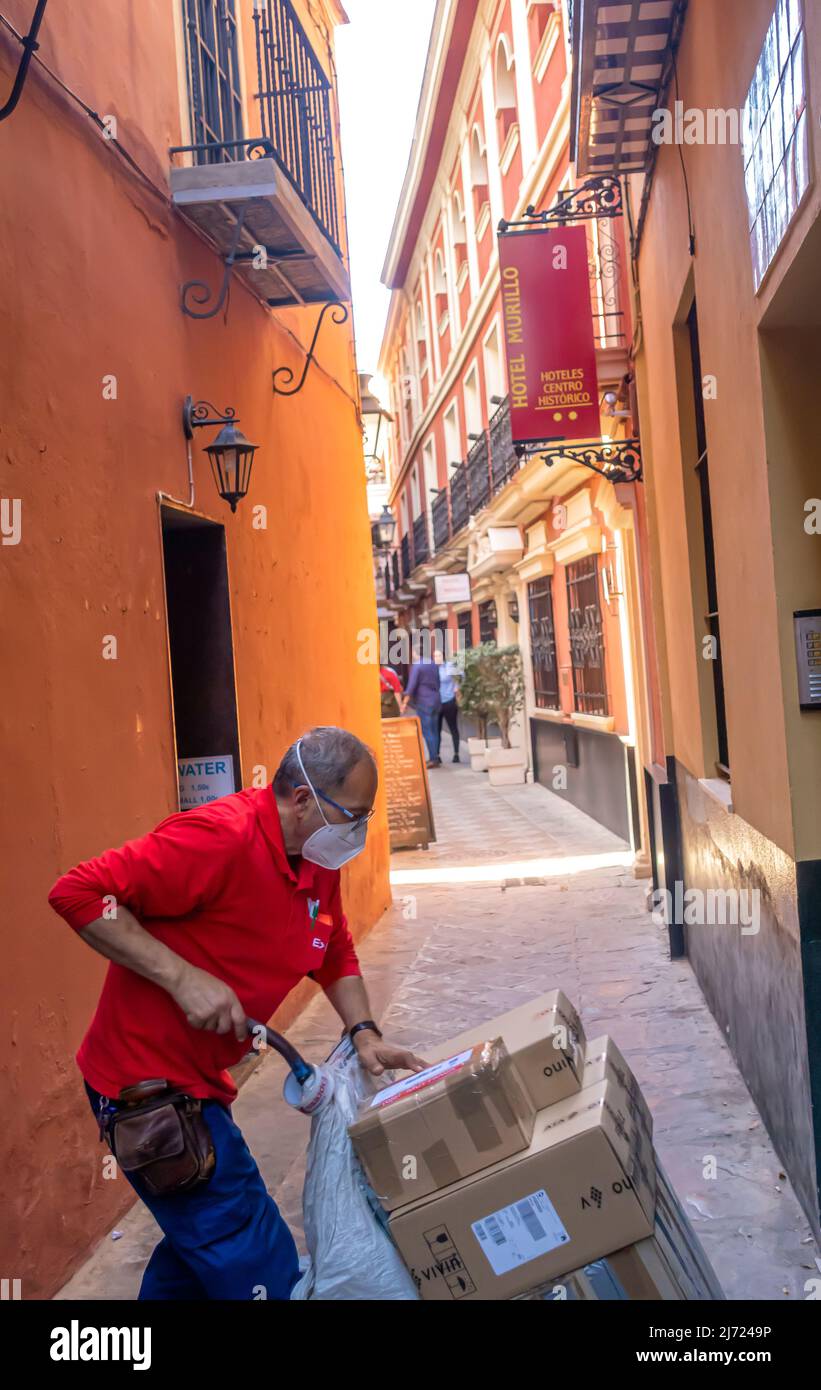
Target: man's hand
<point>377,1055</point>
<point>209,1003</point>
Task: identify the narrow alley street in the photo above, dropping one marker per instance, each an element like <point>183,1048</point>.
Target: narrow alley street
<point>521,893</point>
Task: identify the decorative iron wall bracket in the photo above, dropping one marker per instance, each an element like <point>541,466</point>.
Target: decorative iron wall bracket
<point>30,46</point>
<point>339,315</point>
<point>619,462</point>
<point>196,417</point>
<point>197,292</point>
<point>596,198</point>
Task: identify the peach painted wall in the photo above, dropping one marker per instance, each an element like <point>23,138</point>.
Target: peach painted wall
<point>92,261</point>
<point>739,475</point>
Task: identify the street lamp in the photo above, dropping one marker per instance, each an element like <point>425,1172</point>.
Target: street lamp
<point>384,529</point>
<point>231,455</point>
<point>513,608</point>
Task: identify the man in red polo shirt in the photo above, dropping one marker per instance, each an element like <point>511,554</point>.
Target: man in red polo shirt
<point>207,921</point>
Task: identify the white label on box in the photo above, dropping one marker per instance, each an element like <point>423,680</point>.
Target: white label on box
<point>519,1233</point>
<point>421,1079</point>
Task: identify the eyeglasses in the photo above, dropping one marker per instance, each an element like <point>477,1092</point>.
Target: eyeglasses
<point>349,815</point>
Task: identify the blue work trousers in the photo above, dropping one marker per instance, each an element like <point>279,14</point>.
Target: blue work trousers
<point>225,1239</point>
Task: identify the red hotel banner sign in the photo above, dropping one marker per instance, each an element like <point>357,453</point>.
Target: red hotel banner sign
<point>551,354</point>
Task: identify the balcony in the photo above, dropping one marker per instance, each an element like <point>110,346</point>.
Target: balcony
<point>504,459</point>
<point>478,472</point>
<point>459,498</point>
<point>405,551</point>
<point>268,202</point>
<point>622,64</point>
<point>421,540</point>
<point>440,516</point>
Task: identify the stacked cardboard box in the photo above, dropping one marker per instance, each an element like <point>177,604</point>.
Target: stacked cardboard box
<point>668,1266</point>
<point>521,1165</point>
<point>443,1124</point>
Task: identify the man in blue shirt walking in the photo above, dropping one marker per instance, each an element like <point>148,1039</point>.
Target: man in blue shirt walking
<point>424,694</point>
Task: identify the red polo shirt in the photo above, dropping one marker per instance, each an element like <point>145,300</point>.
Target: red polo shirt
<point>215,885</point>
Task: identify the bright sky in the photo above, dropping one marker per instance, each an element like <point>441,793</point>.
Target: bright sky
<point>380,61</point>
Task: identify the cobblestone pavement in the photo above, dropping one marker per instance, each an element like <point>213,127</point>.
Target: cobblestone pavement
<point>522,893</point>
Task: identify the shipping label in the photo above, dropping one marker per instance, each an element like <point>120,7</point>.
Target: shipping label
<point>519,1233</point>
<point>420,1080</point>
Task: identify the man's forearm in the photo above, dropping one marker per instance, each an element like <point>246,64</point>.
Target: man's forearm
<point>125,942</point>
<point>350,999</point>
<point>206,1001</point>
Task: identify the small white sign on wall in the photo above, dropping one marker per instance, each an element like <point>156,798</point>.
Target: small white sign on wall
<point>205,779</point>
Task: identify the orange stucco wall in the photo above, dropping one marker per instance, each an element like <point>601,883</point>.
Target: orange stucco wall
<point>91,260</point>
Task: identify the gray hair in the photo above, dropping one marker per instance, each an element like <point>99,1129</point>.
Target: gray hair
<point>328,755</point>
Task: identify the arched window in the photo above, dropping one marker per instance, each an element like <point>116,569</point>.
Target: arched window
<point>421,336</point>
<point>506,113</point>
<point>478,171</point>
<point>460,240</point>
<point>440,288</point>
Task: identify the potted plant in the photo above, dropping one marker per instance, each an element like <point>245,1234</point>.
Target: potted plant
<point>473,702</point>
<point>504,692</point>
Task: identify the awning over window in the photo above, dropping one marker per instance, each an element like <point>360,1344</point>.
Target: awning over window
<point>622,55</point>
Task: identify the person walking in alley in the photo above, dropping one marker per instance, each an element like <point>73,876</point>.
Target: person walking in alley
<point>209,920</point>
<point>390,687</point>
<point>449,693</point>
<point>424,694</point>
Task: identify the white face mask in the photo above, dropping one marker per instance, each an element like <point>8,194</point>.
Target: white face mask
<point>331,846</point>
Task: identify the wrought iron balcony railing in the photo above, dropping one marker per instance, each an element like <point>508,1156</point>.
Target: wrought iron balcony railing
<point>295,110</point>
<point>406,556</point>
<point>459,498</point>
<point>504,459</point>
<point>440,516</point>
<point>421,541</point>
<point>478,470</point>
<point>395,576</point>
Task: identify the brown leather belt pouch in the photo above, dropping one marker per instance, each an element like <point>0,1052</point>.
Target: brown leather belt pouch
<point>164,1141</point>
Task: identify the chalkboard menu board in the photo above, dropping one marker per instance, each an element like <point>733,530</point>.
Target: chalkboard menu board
<point>410,815</point>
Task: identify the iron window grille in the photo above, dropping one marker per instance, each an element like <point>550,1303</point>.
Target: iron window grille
<point>488,622</point>
<point>395,577</point>
<point>464,622</point>
<point>543,644</point>
<point>295,111</point>
<point>212,56</point>
<point>586,637</point>
<point>406,556</point>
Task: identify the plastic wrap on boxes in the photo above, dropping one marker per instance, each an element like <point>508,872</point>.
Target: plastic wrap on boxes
<point>352,1256</point>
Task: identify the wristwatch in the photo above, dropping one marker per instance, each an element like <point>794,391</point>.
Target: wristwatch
<point>359,1027</point>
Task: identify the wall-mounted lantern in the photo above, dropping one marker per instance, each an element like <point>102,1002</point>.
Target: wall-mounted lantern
<point>231,455</point>
<point>383,529</point>
<point>513,608</point>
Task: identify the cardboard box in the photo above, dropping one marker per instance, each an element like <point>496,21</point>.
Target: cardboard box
<point>669,1266</point>
<point>530,1034</point>
<point>443,1124</point>
<point>584,1187</point>
<point>603,1059</point>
